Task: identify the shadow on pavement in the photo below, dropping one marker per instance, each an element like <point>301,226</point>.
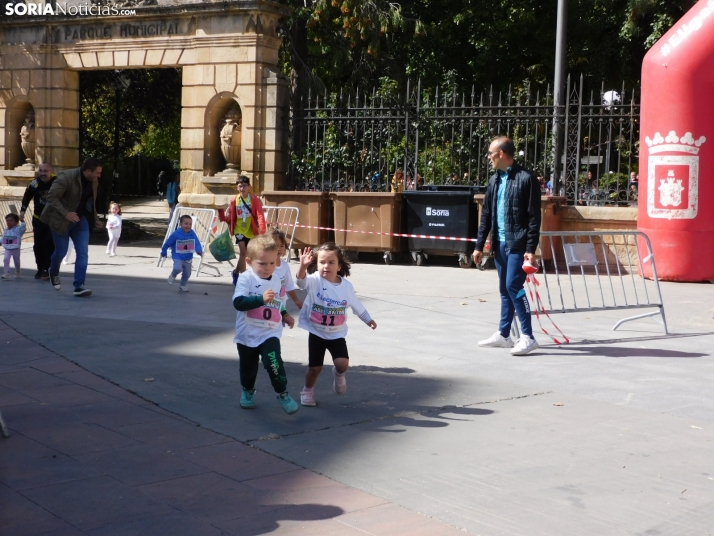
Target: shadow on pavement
<point>619,352</point>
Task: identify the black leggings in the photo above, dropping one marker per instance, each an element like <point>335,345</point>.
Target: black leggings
<point>269,352</point>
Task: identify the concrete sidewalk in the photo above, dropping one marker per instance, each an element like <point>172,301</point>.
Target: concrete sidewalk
<point>88,457</point>
<point>611,434</point>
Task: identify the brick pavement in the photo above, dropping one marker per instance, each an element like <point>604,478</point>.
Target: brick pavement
<point>88,457</point>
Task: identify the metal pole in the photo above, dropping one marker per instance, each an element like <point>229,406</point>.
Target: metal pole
<point>561,44</point>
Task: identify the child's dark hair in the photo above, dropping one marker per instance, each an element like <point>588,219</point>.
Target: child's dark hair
<point>14,217</point>
<point>185,216</point>
<point>341,258</point>
<point>278,236</point>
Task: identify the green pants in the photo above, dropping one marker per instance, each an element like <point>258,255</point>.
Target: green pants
<point>269,353</point>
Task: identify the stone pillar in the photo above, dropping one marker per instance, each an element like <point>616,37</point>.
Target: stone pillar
<point>275,142</point>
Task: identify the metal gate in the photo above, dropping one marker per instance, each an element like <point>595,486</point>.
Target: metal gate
<point>600,271</point>
<point>285,219</point>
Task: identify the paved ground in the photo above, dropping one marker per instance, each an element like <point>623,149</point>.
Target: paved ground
<point>612,434</point>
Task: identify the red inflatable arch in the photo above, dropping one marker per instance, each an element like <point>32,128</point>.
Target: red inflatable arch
<point>676,186</point>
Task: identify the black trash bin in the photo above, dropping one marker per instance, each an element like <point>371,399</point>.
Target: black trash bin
<point>441,213</point>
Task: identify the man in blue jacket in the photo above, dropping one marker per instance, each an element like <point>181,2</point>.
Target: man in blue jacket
<point>511,213</point>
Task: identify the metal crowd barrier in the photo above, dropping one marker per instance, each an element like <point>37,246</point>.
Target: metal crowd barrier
<point>204,220</point>
<point>285,219</point>
<point>600,271</point>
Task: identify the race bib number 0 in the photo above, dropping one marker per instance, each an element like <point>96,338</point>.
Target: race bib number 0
<point>266,317</point>
<point>328,319</point>
<point>186,246</point>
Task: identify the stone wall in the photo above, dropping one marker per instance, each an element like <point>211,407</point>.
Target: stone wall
<point>228,53</point>
<point>576,218</point>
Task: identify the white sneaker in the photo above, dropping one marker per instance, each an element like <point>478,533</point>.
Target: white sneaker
<point>171,279</point>
<point>112,254</point>
<point>524,345</point>
<point>183,289</point>
<point>307,397</point>
<point>340,382</point>
<point>497,341</point>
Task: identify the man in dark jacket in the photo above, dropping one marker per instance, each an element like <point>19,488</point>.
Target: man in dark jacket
<point>511,213</point>
<point>71,213</point>
<point>37,192</point>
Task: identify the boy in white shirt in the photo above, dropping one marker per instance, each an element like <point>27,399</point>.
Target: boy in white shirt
<point>259,323</point>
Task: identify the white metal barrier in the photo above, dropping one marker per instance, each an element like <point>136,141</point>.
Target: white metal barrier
<point>285,219</point>
<point>204,219</point>
<point>600,271</point>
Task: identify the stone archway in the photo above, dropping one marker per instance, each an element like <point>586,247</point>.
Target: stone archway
<point>226,50</point>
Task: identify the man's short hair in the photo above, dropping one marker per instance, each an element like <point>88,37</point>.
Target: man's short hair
<point>506,145</point>
<point>90,164</point>
<point>259,245</point>
<point>243,180</point>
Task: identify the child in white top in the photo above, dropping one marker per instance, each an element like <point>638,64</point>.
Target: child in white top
<point>282,270</point>
<point>113,228</point>
<point>11,240</point>
<point>70,248</point>
<point>324,314</point>
<point>259,323</point>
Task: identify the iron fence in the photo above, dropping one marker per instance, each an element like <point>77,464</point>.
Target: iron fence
<point>357,142</point>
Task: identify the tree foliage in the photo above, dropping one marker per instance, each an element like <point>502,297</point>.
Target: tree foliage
<point>353,43</point>
<point>149,112</point>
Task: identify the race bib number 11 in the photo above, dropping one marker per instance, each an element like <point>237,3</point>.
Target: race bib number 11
<point>328,319</point>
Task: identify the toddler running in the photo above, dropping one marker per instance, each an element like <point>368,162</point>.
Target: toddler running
<point>113,228</point>
<point>259,323</point>
<point>282,270</point>
<point>11,240</point>
<point>183,243</point>
<point>324,314</point>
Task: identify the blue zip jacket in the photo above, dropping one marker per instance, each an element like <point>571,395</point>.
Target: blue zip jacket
<point>522,216</point>
<point>183,242</point>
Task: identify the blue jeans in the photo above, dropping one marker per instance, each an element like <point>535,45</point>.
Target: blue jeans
<point>511,278</point>
<point>79,233</point>
<point>183,268</point>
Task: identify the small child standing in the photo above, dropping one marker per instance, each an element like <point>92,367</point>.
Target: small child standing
<point>183,243</point>
<point>11,240</point>
<point>282,270</point>
<point>259,323</point>
<point>324,315</point>
<point>113,228</point>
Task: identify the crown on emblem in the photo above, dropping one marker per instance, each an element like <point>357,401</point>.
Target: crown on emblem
<point>672,142</point>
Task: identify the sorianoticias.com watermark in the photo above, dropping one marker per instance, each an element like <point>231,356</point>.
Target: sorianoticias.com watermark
<point>19,8</point>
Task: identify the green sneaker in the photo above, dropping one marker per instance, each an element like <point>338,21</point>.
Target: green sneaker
<point>246,399</point>
<point>289,405</point>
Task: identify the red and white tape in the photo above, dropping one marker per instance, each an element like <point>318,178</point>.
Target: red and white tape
<point>388,234</point>
<point>540,308</point>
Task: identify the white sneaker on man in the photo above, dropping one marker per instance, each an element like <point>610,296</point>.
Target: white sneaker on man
<point>525,345</point>
<point>497,341</point>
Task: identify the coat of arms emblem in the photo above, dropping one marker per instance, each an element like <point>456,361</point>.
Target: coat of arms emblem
<point>673,175</point>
